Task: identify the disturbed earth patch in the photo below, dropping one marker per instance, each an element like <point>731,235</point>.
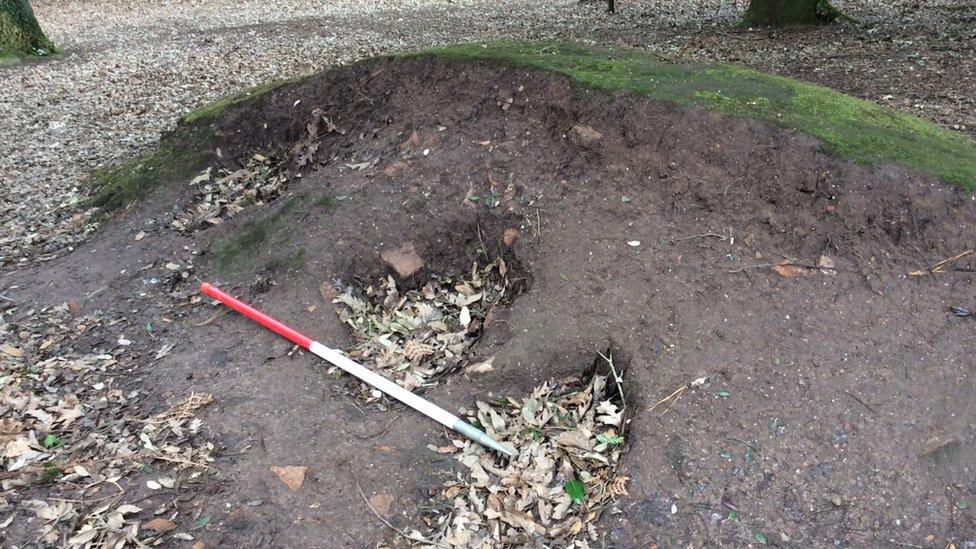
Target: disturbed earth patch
<point>569,435</point>
<point>691,238</point>
<point>418,336</point>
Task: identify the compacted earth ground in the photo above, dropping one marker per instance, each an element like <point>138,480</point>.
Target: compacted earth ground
<point>793,331</point>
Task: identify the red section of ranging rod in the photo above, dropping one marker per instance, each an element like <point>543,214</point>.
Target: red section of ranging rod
<point>256,316</point>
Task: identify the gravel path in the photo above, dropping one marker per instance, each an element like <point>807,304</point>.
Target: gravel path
<point>131,68</point>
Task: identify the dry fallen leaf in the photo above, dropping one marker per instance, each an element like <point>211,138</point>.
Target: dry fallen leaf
<point>159,525</point>
<point>411,142</point>
<point>787,270</point>
<point>292,475</point>
<point>826,265</point>
<point>10,350</point>
<point>328,292</point>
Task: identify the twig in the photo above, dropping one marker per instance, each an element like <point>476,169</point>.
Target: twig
<point>756,266</point>
<point>748,444</point>
<point>93,293</point>
<point>703,235</point>
<point>675,395</point>
<point>179,460</point>
<point>616,378</point>
<point>484,249</point>
<point>788,264</point>
<point>352,403</point>
<point>940,266</point>
<point>865,276</point>
<point>377,515</point>
<point>865,404</point>
<point>103,498</point>
<point>212,318</point>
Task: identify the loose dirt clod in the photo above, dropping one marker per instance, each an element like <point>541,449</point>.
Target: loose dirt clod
<point>584,136</point>
<point>404,259</point>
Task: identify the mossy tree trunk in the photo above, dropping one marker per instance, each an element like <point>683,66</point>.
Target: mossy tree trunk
<point>19,32</point>
<point>789,12</point>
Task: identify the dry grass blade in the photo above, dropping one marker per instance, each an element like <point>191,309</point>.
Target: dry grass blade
<point>941,265</point>
<point>670,399</point>
<point>184,409</point>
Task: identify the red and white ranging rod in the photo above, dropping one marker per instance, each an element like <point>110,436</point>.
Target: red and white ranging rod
<point>423,406</point>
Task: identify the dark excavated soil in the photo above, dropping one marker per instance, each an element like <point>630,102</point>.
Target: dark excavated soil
<point>835,385</point>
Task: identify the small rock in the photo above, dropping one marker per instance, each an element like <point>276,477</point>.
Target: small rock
<point>584,136</point>
<point>292,476</point>
<point>381,503</point>
<point>510,235</point>
<point>403,259</point>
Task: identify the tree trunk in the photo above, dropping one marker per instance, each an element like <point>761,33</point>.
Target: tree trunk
<point>789,12</point>
<point>20,34</point>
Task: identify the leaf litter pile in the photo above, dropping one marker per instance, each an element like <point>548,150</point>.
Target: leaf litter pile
<point>417,336</point>
<point>220,194</point>
<point>569,436</point>
<point>72,438</point>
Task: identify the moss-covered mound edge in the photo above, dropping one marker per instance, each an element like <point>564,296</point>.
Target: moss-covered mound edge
<point>180,155</point>
<point>852,128</point>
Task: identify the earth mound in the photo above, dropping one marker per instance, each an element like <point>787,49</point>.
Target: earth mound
<point>794,369</point>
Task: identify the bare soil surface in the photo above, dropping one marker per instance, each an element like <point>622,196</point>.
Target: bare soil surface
<point>838,403</point>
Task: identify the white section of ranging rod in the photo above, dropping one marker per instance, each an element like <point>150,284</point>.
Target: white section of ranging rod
<point>423,406</point>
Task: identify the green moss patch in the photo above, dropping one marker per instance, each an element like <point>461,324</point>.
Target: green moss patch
<point>240,250</point>
<point>849,127</point>
<point>20,35</point>
<point>179,156</point>
<point>213,110</point>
